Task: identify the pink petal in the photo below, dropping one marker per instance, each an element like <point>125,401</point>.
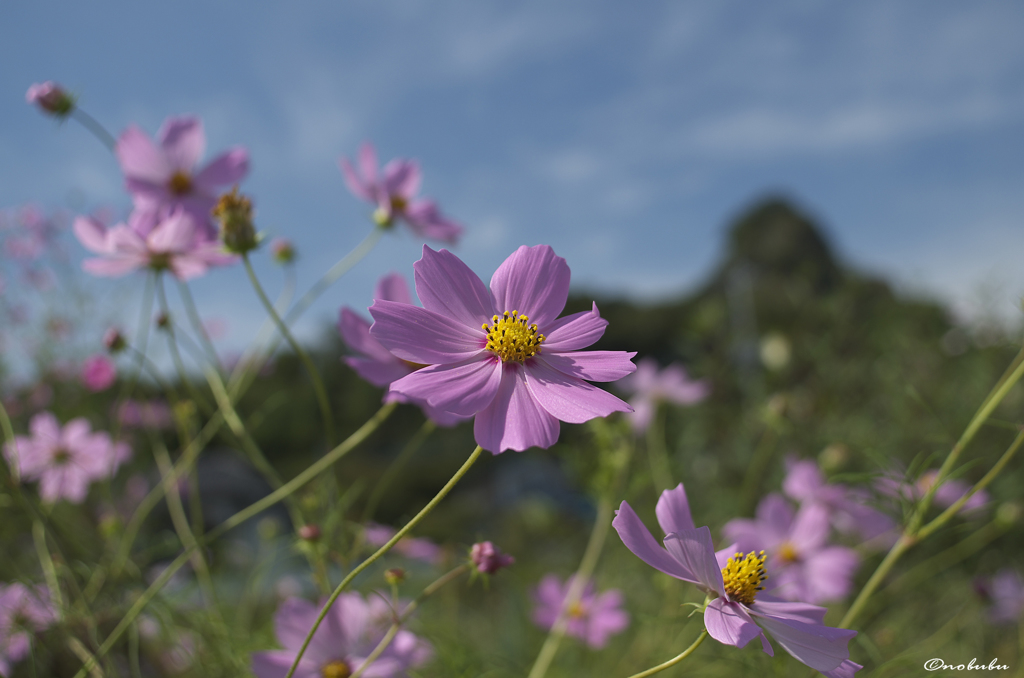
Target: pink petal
<point>462,388</point>
<point>514,420</point>
<point>393,287</point>
<point>402,178</point>
<point>575,331</point>
<point>810,528</point>
<point>823,648</point>
<point>422,336</point>
<point>673,510</point>
<point>226,169</point>
<point>183,142</point>
<point>45,425</point>
<point>568,398</point>
<point>641,542</point>
<point>644,410</point>
<point>92,234</point>
<point>187,267</point>
<point>533,281</point>
<point>591,365</point>
<point>448,287</point>
<point>123,241</point>
<point>829,573</point>
<point>695,551</point>
<point>368,162</point>
<point>356,185</point>
<point>140,158</point>
<point>378,373</point>
<point>426,220</point>
<point>847,669</point>
<point>729,623</point>
<point>114,268</point>
<point>769,605</point>
<point>356,332</point>
<point>174,234</point>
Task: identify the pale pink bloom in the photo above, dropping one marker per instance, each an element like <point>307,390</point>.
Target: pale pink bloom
<point>651,386</point>
<point>24,611</point>
<point>165,176</point>
<point>65,460</point>
<point>410,547</point>
<point>98,373</point>
<point>849,508</point>
<point>394,194</point>
<point>172,244</point>
<point>593,619</point>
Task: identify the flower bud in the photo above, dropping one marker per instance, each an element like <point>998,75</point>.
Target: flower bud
<point>488,559</point>
<point>234,212</point>
<point>395,575</point>
<point>114,340</point>
<point>163,320</point>
<point>282,250</point>
<point>309,532</point>
<point>51,98</point>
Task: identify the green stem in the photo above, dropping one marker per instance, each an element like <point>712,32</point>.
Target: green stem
<point>142,343</point>
<point>675,660</point>
<point>197,323</point>
<point>598,534</point>
<point>99,131</point>
<point>172,344</point>
<point>407,612</point>
<point>248,364</point>
<point>396,467</point>
<point>382,550</point>
<point>318,385</point>
<point>49,571</point>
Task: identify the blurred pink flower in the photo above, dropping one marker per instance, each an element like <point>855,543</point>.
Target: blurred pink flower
<point>349,633</point>
<point>394,194</point>
<point>24,611</point>
<point>163,176</point>
<point>501,354</point>
<point>488,559</point>
<point>803,566</point>
<point>651,386</point>
<point>65,460</point>
<point>949,493</point>
<point>98,373</point>
<point>410,547</point>
<point>849,508</point>
<point>173,244</point>
<point>593,619</point>
<point>376,364</point>
<point>1005,591</point>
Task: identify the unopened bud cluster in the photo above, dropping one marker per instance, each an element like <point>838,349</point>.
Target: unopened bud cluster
<point>114,340</point>
<point>488,559</point>
<point>234,212</point>
<point>51,98</point>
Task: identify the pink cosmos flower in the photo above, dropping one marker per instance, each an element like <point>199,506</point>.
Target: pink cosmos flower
<point>65,460</point>
<point>501,354</point>
<point>949,493</point>
<point>803,566</point>
<point>172,244</point>
<point>375,363</point>
<point>394,194</point>
<point>163,176</point>
<point>735,583</point>
<point>410,547</point>
<point>487,559</point>
<point>23,612</point>
<point>98,373</point>
<point>50,98</point>
<point>348,634</point>
<point>651,387</point>
<point>849,508</point>
<point>1005,590</point>
<point>593,619</point>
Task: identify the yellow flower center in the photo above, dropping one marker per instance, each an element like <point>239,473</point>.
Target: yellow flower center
<point>180,183</point>
<point>61,457</point>
<point>398,203</point>
<point>576,610</point>
<point>788,554</point>
<point>337,669</point>
<point>743,576</point>
<point>510,337</point>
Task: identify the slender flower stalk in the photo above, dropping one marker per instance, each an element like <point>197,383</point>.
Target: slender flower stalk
<point>95,128</point>
<point>172,344</point>
<point>395,467</point>
<point>675,660</point>
<point>432,588</point>
<point>384,549</point>
<point>197,323</point>
<point>911,534</point>
<point>318,386</point>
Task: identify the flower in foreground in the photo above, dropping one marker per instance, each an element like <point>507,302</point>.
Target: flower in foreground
<point>735,582</point>
<point>593,619</point>
<point>348,634</point>
<point>98,373</point>
<point>394,194</point>
<point>487,559</point>
<point>651,386</point>
<point>376,364</point>
<point>23,611</point>
<point>1005,590</point>
<point>173,244</point>
<point>804,567</point>
<point>410,547</point>
<point>164,176</point>
<point>65,460</point>
<point>50,98</point>
<point>501,354</point>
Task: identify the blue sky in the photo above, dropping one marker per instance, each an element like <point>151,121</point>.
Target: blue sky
<point>625,135</point>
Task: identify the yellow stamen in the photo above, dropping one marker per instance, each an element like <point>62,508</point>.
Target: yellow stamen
<point>180,183</point>
<point>511,338</point>
<point>398,203</point>
<point>336,670</point>
<point>576,610</point>
<point>743,576</point>
<point>788,553</point>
